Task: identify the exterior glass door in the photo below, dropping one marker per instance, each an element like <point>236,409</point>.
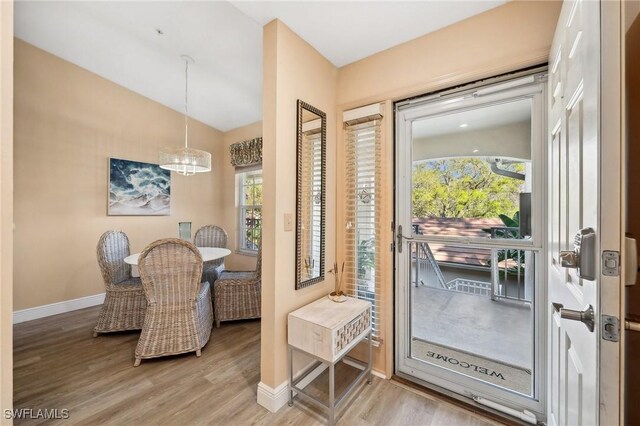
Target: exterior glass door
<point>469,284</point>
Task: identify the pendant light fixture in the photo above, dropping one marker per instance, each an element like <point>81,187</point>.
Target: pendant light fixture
<point>184,160</point>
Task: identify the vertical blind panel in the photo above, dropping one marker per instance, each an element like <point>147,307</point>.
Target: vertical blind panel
<point>362,247</point>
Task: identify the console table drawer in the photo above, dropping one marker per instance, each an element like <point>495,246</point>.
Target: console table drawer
<point>350,331</point>
<point>327,329</point>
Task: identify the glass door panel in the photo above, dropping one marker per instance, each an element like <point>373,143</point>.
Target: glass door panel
<point>469,187</point>
<point>470,313</point>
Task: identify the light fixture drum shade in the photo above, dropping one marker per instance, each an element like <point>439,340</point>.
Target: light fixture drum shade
<point>185,161</point>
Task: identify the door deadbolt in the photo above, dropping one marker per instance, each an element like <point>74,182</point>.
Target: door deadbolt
<point>569,259</point>
<point>583,256</point>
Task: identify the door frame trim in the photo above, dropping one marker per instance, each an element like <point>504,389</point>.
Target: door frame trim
<point>612,175</point>
<point>458,386</point>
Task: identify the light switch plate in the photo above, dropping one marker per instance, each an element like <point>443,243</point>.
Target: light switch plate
<point>288,222</point>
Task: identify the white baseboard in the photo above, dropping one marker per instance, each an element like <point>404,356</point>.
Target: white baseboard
<point>379,374</point>
<point>274,399</point>
<point>57,308</point>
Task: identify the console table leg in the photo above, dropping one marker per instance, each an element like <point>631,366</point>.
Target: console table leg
<point>290,376</point>
<point>332,388</point>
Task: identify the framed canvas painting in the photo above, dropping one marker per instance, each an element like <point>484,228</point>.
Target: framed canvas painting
<point>138,189</point>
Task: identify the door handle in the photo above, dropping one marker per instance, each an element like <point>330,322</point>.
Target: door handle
<point>586,316</point>
<point>400,237</point>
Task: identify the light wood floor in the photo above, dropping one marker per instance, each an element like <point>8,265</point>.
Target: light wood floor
<point>57,364</point>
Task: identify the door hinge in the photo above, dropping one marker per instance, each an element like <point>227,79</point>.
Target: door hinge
<point>610,328</point>
<point>610,263</point>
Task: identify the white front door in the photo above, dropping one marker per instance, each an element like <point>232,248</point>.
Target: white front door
<point>584,193</point>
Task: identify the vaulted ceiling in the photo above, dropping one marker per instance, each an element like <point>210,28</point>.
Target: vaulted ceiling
<point>137,44</point>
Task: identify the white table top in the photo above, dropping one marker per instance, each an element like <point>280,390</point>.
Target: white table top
<point>208,253</point>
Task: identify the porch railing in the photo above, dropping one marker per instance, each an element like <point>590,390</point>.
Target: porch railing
<point>426,266</point>
<point>507,274</point>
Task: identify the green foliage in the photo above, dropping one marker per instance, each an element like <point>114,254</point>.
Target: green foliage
<point>252,192</point>
<point>516,256</point>
<point>366,253</point>
<point>464,188</point>
<point>366,256</point>
<point>513,223</point>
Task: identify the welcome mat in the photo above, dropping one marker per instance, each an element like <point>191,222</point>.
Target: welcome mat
<point>505,375</point>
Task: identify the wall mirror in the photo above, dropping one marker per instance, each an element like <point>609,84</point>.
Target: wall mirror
<point>310,193</point>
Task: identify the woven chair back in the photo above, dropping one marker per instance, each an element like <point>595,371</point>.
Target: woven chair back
<point>170,270</point>
<point>113,247</point>
<point>210,236</point>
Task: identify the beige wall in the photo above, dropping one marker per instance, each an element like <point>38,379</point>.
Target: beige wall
<point>6,208</point>
<point>503,39</point>
<point>292,70</point>
<point>236,261</point>
<point>68,122</point>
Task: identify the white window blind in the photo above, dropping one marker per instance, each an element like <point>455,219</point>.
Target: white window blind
<point>363,211</point>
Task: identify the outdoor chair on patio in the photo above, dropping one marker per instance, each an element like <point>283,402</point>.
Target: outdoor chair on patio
<point>124,305</point>
<point>179,314</point>
<point>237,294</point>
<point>211,236</point>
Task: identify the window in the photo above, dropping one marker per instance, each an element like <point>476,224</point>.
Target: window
<point>250,210</point>
<point>363,210</point>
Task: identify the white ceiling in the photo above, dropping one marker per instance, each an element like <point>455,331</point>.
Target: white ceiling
<point>475,119</point>
<point>347,31</point>
<point>118,40</point>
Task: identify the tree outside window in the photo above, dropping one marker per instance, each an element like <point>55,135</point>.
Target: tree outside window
<point>464,188</point>
<point>250,203</point>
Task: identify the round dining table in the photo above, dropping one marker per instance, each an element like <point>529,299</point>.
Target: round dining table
<point>207,253</point>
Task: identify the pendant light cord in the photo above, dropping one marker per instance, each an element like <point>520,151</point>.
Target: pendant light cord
<point>186,102</point>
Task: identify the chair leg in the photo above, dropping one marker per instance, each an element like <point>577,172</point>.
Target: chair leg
<point>217,323</point>
<point>198,353</point>
<point>137,362</point>
<point>95,334</point>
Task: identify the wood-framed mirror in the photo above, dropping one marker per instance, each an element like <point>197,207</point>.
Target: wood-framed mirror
<point>310,195</point>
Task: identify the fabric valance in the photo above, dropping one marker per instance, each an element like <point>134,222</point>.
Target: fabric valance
<point>246,153</point>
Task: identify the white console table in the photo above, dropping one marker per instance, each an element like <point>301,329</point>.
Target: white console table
<point>327,331</point>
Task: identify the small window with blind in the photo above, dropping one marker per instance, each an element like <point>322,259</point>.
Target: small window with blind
<point>363,207</point>
<point>250,210</point>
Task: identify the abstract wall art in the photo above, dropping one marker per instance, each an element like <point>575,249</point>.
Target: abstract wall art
<point>138,189</point>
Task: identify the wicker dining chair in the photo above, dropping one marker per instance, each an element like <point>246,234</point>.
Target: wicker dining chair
<point>211,236</point>
<point>179,313</point>
<point>124,304</point>
<point>237,294</point>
